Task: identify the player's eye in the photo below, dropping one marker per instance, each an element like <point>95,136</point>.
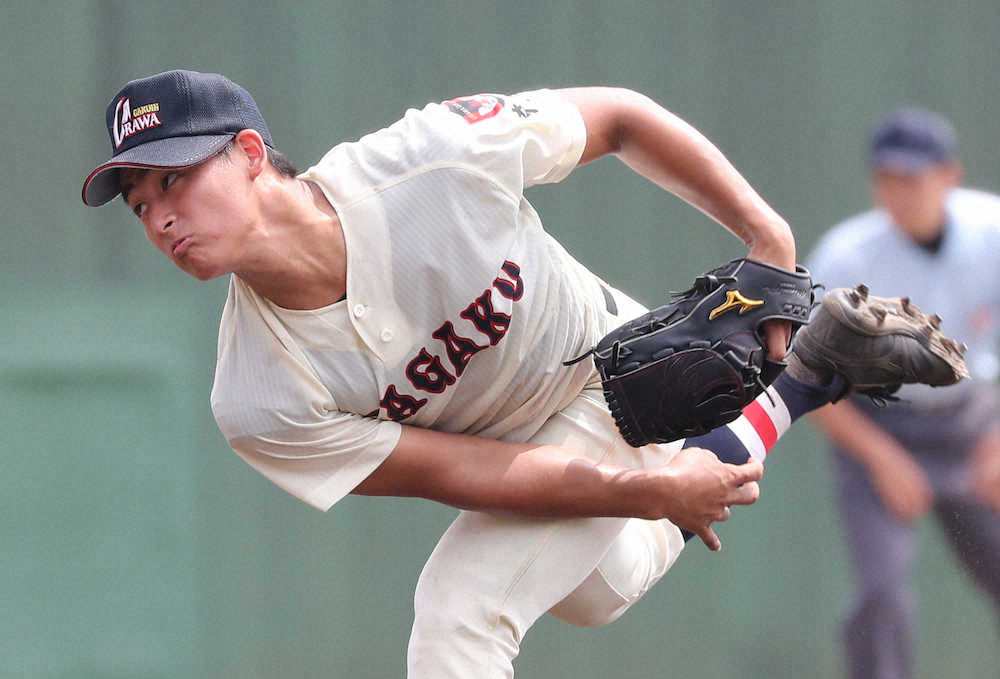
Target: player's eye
<point>139,209</point>
<point>169,179</point>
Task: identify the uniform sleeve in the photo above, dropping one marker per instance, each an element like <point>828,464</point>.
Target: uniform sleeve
<point>318,461</point>
<point>514,141</point>
<point>524,139</point>
<point>277,415</point>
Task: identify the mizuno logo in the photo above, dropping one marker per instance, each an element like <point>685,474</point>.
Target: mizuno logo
<point>735,300</point>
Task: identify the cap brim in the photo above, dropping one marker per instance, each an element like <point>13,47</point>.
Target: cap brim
<point>104,183</point>
<point>907,162</point>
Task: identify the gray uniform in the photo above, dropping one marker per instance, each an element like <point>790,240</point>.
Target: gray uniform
<point>938,427</point>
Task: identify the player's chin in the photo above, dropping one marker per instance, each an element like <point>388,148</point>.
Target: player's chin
<point>202,270</point>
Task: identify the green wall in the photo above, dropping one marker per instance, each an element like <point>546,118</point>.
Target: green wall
<point>133,543</point>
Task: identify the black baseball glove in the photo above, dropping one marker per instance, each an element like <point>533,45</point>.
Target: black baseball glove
<point>690,366</point>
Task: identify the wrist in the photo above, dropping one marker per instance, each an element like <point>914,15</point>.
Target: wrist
<point>660,490</point>
<point>773,243</point>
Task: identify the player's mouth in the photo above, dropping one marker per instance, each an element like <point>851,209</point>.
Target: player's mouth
<point>180,246</point>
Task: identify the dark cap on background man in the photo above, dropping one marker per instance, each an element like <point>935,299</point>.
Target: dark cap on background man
<point>912,140</point>
<point>171,120</point>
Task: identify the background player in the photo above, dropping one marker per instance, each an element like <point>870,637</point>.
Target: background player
<point>396,325</point>
<point>937,449</point>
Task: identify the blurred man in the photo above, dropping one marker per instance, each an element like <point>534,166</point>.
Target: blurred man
<point>937,449</point>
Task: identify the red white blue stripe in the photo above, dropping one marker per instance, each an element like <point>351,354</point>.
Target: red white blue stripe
<point>762,423</point>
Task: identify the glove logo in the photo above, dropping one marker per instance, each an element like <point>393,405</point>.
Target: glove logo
<point>735,300</point>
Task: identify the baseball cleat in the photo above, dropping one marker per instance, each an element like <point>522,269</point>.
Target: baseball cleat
<point>877,343</point>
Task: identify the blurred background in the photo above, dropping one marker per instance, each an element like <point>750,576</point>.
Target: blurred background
<point>134,543</point>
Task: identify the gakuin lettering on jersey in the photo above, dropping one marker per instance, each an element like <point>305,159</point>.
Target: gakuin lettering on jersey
<point>129,121</point>
<point>400,406</point>
<point>477,108</point>
<point>511,287</point>
<point>429,372</point>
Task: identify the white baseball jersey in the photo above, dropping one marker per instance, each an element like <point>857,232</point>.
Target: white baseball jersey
<point>459,312</point>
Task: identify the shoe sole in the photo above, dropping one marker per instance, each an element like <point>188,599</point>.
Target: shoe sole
<point>867,316</point>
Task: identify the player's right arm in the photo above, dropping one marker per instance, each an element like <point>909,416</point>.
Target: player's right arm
<point>693,490</point>
<point>899,481</point>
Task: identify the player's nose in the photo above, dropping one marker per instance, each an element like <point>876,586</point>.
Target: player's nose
<point>161,217</point>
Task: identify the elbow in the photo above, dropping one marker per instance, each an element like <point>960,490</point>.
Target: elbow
<point>628,110</point>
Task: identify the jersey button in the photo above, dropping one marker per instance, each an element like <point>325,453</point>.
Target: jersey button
<point>386,335</point>
<point>359,310</point>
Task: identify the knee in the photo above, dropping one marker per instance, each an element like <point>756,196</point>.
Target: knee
<point>593,604</point>
<point>588,615</point>
<point>890,604</point>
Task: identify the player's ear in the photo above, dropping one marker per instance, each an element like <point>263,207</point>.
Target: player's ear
<point>955,173</point>
<point>253,147</point>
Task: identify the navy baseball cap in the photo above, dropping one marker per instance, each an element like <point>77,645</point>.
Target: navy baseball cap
<point>172,119</point>
<point>912,140</point>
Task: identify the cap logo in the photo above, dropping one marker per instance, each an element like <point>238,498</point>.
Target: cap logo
<point>129,121</point>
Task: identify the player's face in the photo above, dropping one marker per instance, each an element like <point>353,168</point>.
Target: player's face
<point>194,216</point>
<point>916,200</point>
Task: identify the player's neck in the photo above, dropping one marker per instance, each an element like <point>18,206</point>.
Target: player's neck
<point>298,256</point>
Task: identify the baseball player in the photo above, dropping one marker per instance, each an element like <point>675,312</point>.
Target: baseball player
<point>938,449</point>
<point>398,323</point>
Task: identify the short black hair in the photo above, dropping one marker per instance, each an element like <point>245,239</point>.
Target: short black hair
<point>278,160</point>
<point>282,163</point>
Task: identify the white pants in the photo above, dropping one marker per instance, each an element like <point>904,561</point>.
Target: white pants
<point>492,576</point>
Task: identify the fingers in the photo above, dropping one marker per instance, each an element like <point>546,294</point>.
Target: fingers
<point>777,335</point>
<point>711,488</point>
<point>751,470</point>
<point>746,494</point>
<point>710,539</point>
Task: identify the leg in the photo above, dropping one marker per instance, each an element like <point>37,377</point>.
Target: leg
<point>491,576</point>
<point>767,418</point>
<point>877,627</point>
<point>973,531</point>
<point>488,580</point>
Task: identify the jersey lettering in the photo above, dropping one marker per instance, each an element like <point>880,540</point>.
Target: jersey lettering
<point>400,406</point>
<point>426,373</point>
<point>491,323</point>
<point>513,288</point>
<point>460,349</point>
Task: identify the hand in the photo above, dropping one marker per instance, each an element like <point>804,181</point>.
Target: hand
<point>706,489</point>
<point>902,486</point>
<point>985,471</point>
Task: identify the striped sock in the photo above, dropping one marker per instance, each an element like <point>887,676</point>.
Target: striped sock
<point>765,420</point>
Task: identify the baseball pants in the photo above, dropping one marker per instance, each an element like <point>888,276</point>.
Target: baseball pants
<point>490,577</point>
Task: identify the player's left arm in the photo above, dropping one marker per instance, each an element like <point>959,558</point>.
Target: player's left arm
<point>668,151</point>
